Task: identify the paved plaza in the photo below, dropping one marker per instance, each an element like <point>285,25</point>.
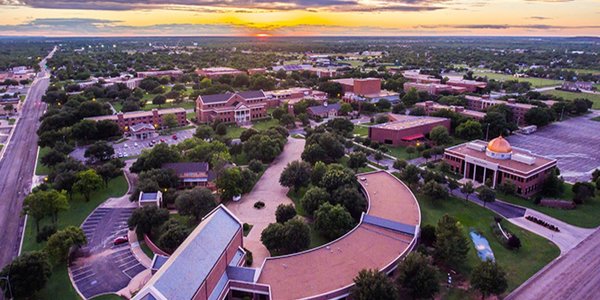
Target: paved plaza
<point>574,143</point>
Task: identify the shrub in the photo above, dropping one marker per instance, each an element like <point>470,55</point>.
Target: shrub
<point>285,212</point>
<point>428,234</point>
<point>246,226</point>
<point>400,164</point>
<point>249,258</point>
<point>513,242</point>
<point>259,204</point>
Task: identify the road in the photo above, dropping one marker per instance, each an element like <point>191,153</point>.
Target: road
<point>573,276</point>
<point>17,166</point>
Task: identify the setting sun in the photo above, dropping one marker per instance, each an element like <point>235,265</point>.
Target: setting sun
<point>262,35</point>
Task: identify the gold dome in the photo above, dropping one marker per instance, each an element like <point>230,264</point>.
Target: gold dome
<point>499,145</point>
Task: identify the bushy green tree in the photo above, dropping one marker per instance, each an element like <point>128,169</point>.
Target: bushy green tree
<point>417,276</point>
<point>489,278</point>
<point>29,273</point>
<point>333,221</point>
<point>451,244</point>
<point>372,284</point>
<point>196,202</point>
<point>60,243</point>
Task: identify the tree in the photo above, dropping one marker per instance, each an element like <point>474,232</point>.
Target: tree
<point>497,124</point>
<point>400,164</point>
<point>26,274</point>
<point>87,182</point>
<point>378,156</point>
<point>452,184</point>
<point>159,100</point>
<point>109,171</point>
<point>451,245</point>
<point>553,186</point>
<point>341,126</point>
<point>155,158</point>
<point>173,234</point>
<point>262,147</point>
<point>52,158</point>
<point>287,120</point>
<point>410,98</point>
<point>417,276</point>
<point>538,116</point>
<point>434,190</point>
<point>100,150</point>
<point>583,191</point>
<point>345,109</point>
<point>196,202</point>
<point>410,175</point>
<point>427,235</point>
<point>230,183</point>
<point>8,108</point>
<point>357,160</point>
<point>383,104</point>
<point>469,130</point>
<point>439,135</point>
<point>332,221</point>
<point>337,176</point>
<point>487,195</point>
<point>85,130</point>
<point>318,172</point>
<point>426,154</point>
<point>333,89</point>
<point>410,150</point>
<point>146,218</point>
<point>489,278</point>
<point>284,212</point>
<point>170,121</point>
<point>349,197</point>
<point>467,189</point>
<point>41,204</point>
<point>59,244</point>
<point>247,134</point>
<point>313,198</point>
<point>295,175</point>
<point>290,237</point>
<point>372,284</point>
<point>204,132</point>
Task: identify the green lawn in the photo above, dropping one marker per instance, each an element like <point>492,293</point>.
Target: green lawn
<point>117,105</point>
<point>400,153</point>
<point>597,119</point>
<point>59,285</point>
<point>534,254</point>
<point>234,131</point>
<point>344,161</point>
<point>39,168</point>
<point>583,71</point>
<point>265,124</point>
<point>360,130</point>
<point>146,249</point>
<point>11,121</point>
<point>570,96</point>
<point>316,240</point>
<point>184,104</point>
<point>585,215</point>
<point>535,82</point>
<point>190,115</point>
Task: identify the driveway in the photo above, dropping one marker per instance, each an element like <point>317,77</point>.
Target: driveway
<point>101,267</point>
<point>574,143</point>
<point>268,190</point>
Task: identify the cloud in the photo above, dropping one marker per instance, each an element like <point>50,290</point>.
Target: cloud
<point>539,18</point>
<point>507,26</point>
<point>269,5</point>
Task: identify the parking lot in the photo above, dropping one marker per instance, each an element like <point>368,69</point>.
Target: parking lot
<point>101,267</point>
<point>133,147</point>
<point>574,143</point>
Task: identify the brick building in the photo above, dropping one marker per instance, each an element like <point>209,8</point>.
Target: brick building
<point>240,108</point>
<point>431,107</point>
<point>500,163</point>
<point>434,88</point>
<point>192,174</point>
<point>218,72</point>
<point>324,111</point>
<point>470,85</point>
<point>415,76</point>
<point>483,103</point>
<point>404,130</point>
<point>154,117</point>
<point>364,89</point>
<point>293,95</point>
<point>157,73</point>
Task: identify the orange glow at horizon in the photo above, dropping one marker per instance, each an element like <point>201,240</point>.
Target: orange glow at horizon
<point>262,35</point>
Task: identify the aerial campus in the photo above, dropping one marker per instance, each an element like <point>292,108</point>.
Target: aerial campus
<point>160,150</point>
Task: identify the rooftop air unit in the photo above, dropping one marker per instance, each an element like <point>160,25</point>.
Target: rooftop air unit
<point>476,146</point>
<point>529,160</point>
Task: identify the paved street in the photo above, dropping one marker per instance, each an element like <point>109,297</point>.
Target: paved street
<point>572,276</point>
<point>574,143</point>
<point>17,167</point>
<point>268,190</point>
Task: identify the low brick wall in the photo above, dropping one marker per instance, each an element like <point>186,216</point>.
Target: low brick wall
<point>153,247</point>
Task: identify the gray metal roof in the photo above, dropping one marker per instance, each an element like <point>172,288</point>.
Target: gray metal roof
<point>149,196</point>
<point>185,271</point>
<point>187,167</point>
<point>216,98</point>
<point>389,224</point>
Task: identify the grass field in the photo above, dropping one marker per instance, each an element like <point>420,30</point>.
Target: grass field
<point>570,96</point>
<point>585,215</point>
<point>519,265</point>
<point>583,71</point>
<point>39,168</point>
<point>59,285</point>
<point>234,131</point>
<point>265,124</point>
<point>535,82</point>
<point>360,130</point>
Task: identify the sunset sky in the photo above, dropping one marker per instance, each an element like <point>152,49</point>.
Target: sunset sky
<point>299,17</point>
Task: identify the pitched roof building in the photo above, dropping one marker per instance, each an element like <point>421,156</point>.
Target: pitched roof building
<point>240,108</point>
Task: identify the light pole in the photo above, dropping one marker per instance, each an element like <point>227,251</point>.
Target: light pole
<point>7,278</point>
<point>487,131</point>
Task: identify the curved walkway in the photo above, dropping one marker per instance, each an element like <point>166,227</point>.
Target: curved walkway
<point>269,191</point>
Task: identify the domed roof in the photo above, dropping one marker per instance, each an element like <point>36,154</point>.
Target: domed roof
<point>499,145</point>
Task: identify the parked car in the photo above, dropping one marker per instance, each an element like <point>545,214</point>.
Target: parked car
<point>174,137</point>
<point>120,240</point>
